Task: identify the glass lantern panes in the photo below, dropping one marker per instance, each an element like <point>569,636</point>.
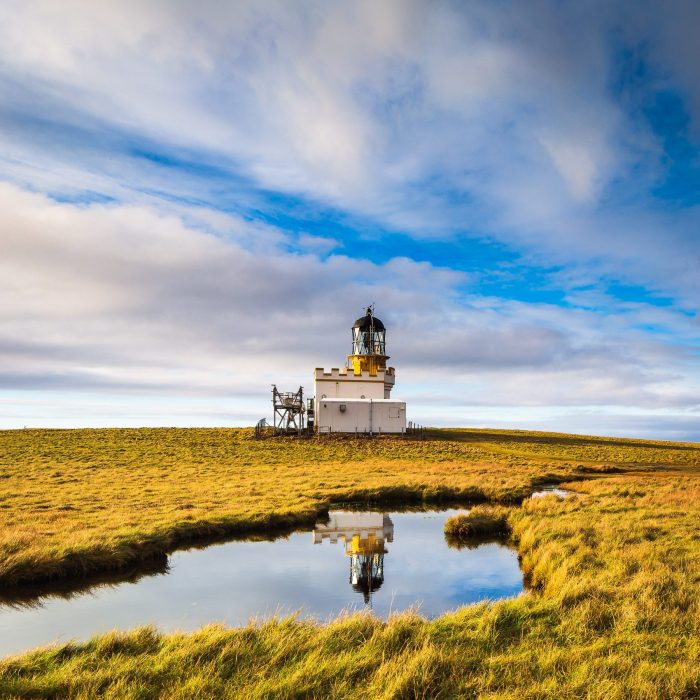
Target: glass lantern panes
<point>365,341</point>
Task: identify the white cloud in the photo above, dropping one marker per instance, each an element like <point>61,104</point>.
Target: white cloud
<point>576,166</point>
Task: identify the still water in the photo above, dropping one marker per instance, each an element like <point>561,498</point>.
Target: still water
<point>383,561</point>
<point>551,490</point>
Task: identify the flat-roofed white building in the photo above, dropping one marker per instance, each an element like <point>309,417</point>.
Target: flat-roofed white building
<point>357,397</point>
<point>361,415</point>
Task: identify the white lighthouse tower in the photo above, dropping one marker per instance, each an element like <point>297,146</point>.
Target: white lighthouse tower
<point>356,398</point>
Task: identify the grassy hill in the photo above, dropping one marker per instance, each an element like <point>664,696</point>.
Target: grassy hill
<point>614,571</point>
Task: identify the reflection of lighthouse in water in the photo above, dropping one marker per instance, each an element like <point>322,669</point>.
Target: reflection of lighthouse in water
<point>363,535</point>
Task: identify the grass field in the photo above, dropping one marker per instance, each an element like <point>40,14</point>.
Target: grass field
<point>614,570</point>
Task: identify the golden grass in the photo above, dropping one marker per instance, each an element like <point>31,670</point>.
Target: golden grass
<point>480,521</point>
<point>79,501</point>
<point>614,569</point>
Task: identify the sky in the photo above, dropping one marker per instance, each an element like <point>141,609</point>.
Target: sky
<point>198,199</point>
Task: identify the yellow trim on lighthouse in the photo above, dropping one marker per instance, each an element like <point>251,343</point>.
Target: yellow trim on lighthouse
<point>367,363</point>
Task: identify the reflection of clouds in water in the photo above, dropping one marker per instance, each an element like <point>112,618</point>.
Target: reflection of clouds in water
<point>421,567</point>
<point>236,581</point>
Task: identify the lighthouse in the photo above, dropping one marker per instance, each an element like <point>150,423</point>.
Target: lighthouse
<point>357,398</point>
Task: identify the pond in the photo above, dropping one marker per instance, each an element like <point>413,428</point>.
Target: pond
<point>550,490</point>
<point>357,559</point>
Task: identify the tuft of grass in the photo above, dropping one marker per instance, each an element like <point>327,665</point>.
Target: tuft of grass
<point>482,521</point>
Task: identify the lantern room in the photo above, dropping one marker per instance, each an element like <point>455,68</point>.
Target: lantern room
<point>368,345</point>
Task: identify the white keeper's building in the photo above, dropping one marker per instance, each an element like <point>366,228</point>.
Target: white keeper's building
<point>357,397</point>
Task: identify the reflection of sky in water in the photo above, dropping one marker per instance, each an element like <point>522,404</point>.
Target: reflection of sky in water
<point>550,491</point>
<point>233,582</point>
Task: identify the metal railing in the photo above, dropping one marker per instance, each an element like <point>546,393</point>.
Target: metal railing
<point>262,428</point>
<point>416,430</point>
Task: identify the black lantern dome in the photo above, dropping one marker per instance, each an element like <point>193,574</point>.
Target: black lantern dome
<point>369,320</point>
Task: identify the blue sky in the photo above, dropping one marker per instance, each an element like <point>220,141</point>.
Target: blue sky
<point>198,199</point>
